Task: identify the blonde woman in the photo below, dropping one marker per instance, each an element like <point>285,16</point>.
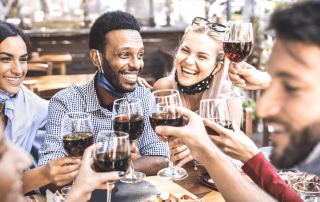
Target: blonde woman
<point>197,72</point>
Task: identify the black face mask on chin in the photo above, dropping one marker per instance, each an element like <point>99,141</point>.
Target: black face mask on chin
<point>198,87</point>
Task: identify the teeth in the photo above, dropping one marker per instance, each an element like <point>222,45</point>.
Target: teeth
<point>189,71</point>
<point>275,129</point>
<point>13,79</point>
<point>129,76</point>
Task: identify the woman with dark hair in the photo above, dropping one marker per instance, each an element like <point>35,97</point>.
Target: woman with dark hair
<point>23,115</point>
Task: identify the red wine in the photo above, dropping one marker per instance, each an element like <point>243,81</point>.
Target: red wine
<point>133,124</point>
<point>224,123</point>
<point>76,143</point>
<point>104,163</point>
<point>237,51</point>
<point>167,119</point>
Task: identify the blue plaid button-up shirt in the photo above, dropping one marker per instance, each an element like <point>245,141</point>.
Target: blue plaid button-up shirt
<point>84,99</point>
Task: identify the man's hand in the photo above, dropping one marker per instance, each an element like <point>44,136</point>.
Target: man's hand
<point>180,151</point>
<point>143,82</point>
<point>234,143</point>
<point>246,76</point>
<point>87,180</point>
<point>194,134</point>
<point>60,174</point>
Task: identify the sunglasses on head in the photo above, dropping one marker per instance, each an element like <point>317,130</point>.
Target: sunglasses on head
<point>214,26</point>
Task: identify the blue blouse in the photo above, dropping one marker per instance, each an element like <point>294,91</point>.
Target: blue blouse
<point>27,117</point>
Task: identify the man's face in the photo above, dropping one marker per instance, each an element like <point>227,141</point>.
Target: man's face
<point>123,59</point>
<point>292,102</point>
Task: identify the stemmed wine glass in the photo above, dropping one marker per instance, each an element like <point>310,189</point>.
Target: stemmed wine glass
<point>165,109</point>
<point>112,155</point>
<point>237,44</point>
<point>127,115</point>
<point>216,110</point>
<point>76,135</point>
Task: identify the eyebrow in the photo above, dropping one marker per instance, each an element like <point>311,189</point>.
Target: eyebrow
<point>10,55</point>
<point>285,75</point>
<point>198,52</point>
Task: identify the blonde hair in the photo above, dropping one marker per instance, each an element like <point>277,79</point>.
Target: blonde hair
<point>216,82</point>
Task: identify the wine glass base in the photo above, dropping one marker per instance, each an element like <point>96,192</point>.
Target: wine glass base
<point>65,190</point>
<point>133,177</point>
<point>173,174</point>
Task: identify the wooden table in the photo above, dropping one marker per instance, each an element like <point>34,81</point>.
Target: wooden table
<point>190,186</point>
<point>50,85</point>
<point>59,60</point>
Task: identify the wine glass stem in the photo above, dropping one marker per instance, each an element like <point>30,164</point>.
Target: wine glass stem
<point>108,192</point>
<point>169,157</point>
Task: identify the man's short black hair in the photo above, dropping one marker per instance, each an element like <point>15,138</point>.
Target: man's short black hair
<point>7,30</point>
<point>114,20</point>
<point>300,22</point>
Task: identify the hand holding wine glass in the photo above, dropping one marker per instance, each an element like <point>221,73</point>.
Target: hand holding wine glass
<point>113,155</point>
<point>87,179</point>
<point>237,45</point>
<point>166,109</point>
<point>76,135</point>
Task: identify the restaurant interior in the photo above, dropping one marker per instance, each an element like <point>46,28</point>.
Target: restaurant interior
<point>60,55</point>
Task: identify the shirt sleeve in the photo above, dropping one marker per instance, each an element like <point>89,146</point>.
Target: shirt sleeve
<point>266,177</point>
<point>53,147</point>
<point>148,143</point>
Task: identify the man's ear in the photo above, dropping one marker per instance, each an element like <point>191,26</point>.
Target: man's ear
<point>219,66</point>
<point>94,57</point>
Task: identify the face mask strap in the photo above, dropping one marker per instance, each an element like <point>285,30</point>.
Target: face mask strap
<point>100,67</point>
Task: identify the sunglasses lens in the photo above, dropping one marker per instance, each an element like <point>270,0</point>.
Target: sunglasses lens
<point>200,20</point>
<point>219,29</point>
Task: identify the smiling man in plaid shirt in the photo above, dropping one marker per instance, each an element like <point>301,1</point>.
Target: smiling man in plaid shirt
<point>115,39</point>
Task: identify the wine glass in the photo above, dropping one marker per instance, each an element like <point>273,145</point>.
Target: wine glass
<point>76,135</point>
<point>238,43</point>
<point>216,110</point>
<point>127,115</point>
<point>112,155</point>
<point>165,109</point>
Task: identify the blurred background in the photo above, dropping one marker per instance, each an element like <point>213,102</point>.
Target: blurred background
<point>58,30</point>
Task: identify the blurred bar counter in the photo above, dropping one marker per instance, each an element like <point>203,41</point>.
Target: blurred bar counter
<point>76,42</point>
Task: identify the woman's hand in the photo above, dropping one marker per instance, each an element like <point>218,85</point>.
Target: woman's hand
<point>143,82</point>
<point>234,143</point>
<point>58,173</point>
<point>180,151</point>
<point>88,180</point>
<point>248,77</point>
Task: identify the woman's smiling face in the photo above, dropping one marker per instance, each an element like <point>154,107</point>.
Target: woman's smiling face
<point>196,58</point>
<point>13,63</point>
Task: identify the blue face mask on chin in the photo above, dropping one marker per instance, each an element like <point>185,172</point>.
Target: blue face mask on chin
<point>4,96</point>
<point>104,83</point>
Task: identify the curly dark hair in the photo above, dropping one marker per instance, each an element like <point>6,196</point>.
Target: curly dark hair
<point>7,30</point>
<point>300,22</point>
<point>107,22</point>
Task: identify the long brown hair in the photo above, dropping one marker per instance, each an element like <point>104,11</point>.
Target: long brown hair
<point>216,83</point>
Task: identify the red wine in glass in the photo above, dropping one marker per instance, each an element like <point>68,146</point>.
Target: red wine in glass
<point>237,51</point>
<point>227,124</point>
<point>167,119</point>
<point>104,162</point>
<point>132,124</point>
<point>76,143</point>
